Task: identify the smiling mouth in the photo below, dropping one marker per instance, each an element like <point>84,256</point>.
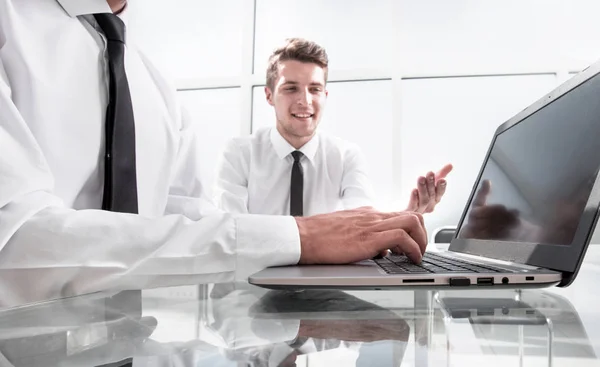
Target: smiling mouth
<point>303,115</point>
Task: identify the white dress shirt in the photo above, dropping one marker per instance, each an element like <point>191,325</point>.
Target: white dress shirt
<point>254,175</point>
<point>54,240</point>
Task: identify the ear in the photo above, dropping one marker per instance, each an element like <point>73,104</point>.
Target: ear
<point>326,93</point>
<point>269,95</point>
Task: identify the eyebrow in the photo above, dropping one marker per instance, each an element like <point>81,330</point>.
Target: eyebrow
<point>291,82</point>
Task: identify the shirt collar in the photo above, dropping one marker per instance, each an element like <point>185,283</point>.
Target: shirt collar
<point>86,8</point>
<point>283,148</point>
<point>83,7</point>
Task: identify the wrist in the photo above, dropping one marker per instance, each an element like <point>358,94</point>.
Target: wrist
<point>304,233</point>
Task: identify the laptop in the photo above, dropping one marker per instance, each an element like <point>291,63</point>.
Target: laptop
<point>528,220</point>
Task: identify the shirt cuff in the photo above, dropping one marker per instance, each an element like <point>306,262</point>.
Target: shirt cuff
<point>264,241</point>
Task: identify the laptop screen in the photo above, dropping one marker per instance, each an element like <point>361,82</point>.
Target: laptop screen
<point>540,173</point>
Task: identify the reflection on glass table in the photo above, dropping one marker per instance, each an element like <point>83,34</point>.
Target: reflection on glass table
<point>236,324</point>
<point>517,328</point>
<point>327,320</point>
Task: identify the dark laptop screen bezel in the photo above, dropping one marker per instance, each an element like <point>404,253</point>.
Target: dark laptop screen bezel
<point>564,257</point>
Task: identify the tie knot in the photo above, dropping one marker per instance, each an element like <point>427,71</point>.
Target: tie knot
<point>112,26</point>
<point>297,155</point>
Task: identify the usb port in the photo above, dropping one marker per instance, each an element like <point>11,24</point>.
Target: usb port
<point>485,312</point>
<point>485,281</point>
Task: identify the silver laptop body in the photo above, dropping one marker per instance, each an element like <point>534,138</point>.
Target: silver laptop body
<point>543,168</point>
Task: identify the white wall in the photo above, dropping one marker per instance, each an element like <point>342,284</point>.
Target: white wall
<point>494,36</point>
<point>190,39</point>
<point>453,120</point>
<point>428,81</point>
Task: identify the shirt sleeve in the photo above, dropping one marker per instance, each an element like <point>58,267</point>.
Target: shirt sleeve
<point>231,184</point>
<point>48,250</point>
<point>356,189</point>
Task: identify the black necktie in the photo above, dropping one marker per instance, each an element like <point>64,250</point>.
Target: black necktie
<point>120,182</point>
<point>297,186</point>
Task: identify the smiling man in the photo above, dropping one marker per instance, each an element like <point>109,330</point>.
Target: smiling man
<point>293,170</point>
<point>99,181</point>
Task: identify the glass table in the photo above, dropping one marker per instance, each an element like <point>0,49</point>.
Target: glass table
<point>236,324</point>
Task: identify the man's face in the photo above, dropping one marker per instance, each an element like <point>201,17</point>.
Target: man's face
<point>299,97</point>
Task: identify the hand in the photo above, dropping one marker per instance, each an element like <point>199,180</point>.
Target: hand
<point>489,221</point>
<point>353,235</point>
<point>349,330</point>
<point>429,192</point>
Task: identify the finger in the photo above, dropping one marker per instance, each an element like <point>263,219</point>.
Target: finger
<point>422,221</point>
<point>442,173</point>
<point>482,194</point>
<point>388,215</point>
<point>414,225</point>
<point>430,190</point>
<point>400,242</point>
<point>440,190</point>
<point>413,202</point>
<point>423,193</point>
<point>410,222</point>
<point>377,221</point>
<point>397,220</point>
<point>381,254</point>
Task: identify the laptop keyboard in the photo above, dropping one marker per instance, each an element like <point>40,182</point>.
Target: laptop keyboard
<point>432,263</point>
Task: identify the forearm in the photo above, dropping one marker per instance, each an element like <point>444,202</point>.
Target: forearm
<point>59,252</point>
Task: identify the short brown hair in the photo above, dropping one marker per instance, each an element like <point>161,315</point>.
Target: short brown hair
<point>297,49</point>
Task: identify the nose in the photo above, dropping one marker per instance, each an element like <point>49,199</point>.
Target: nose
<point>305,98</point>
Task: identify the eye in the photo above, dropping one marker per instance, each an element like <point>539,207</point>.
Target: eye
<point>290,89</point>
<point>316,90</point>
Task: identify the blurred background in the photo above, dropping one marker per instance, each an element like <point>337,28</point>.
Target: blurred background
<point>415,83</point>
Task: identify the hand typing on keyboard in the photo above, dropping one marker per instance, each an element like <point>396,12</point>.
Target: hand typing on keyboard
<point>349,236</point>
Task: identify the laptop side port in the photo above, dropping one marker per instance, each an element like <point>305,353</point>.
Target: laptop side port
<point>426,280</point>
<point>485,281</point>
<point>485,312</point>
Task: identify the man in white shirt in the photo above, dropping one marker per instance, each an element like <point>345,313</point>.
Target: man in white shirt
<point>292,169</point>
<point>62,78</point>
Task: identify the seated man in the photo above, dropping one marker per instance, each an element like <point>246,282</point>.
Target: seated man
<point>290,169</point>
<point>99,186</point>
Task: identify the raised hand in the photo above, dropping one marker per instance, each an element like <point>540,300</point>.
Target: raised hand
<point>429,191</point>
